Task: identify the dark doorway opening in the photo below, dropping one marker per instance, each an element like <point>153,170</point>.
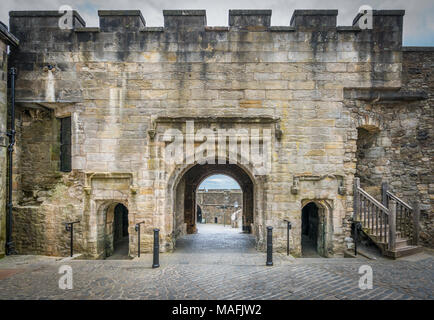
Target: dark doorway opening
<point>199,214</point>
<point>309,230</point>
<point>120,233</point>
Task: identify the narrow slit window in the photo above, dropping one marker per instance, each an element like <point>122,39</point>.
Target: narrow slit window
<point>65,144</point>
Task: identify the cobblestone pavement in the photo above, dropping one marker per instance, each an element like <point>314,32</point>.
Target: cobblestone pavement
<point>193,272</point>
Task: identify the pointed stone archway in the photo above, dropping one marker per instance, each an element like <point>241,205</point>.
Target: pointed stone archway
<point>185,183</point>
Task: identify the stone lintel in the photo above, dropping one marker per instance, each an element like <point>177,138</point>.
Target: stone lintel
<point>249,18</point>
<point>210,119</point>
<point>314,19</point>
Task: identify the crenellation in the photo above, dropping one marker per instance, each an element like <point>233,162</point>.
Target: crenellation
<point>314,19</point>
<point>252,20</point>
<point>120,20</point>
<point>184,20</point>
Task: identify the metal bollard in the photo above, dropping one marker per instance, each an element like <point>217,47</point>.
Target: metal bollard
<point>137,228</point>
<point>156,262</point>
<point>69,226</point>
<point>357,227</point>
<point>289,226</point>
<point>269,246</point>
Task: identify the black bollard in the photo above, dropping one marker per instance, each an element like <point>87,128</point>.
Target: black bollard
<point>287,236</point>
<point>156,262</point>
<point>269,246</point>
<point>69,226</point>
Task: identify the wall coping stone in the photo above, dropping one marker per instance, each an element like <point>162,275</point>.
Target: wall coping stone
<point>184,12</point>
<point>122,13</point>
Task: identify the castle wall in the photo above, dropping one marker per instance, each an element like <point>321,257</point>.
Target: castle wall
<point>211,202</point>
<point>124,84</point>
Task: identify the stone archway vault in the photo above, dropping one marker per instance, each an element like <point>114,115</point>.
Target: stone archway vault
<point>185,195</point>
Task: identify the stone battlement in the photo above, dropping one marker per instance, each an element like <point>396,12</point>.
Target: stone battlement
<point>195,20</point>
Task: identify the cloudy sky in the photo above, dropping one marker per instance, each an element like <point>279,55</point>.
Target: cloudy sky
<point>418,21</point>
<point>219,181</point>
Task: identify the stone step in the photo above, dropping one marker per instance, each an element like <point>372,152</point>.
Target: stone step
<point>403,251</point>
<point>400,243</point>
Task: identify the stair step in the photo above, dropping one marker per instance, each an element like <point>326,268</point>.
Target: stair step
<point>403,251</point>
<point>399,243</point>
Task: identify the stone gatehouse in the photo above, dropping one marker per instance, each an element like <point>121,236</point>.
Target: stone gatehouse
<point>331,103</point>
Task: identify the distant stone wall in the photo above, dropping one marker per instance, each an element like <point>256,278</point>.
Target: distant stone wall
<point>312,84</point>
<point>211,202</point>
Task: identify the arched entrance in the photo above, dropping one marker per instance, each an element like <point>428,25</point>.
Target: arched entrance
<point>309,229</point>
<point>186,213</point>
<point>316,228</point>
<point>116,232</point>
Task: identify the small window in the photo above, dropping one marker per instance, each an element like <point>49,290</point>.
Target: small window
<point>65,144</point>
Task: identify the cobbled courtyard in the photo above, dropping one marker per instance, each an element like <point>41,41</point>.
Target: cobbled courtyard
<point>217,263</point>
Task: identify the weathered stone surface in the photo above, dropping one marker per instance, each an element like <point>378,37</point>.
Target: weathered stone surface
<point>123,88</point>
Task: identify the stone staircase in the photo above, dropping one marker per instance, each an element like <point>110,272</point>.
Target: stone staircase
<point>392,225</point>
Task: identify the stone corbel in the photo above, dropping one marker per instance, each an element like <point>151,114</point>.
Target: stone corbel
<point>153,129</point>
<point>294,187</point>
<point>342,190</point>
<point>133,189</point>
<point>278,132</point>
